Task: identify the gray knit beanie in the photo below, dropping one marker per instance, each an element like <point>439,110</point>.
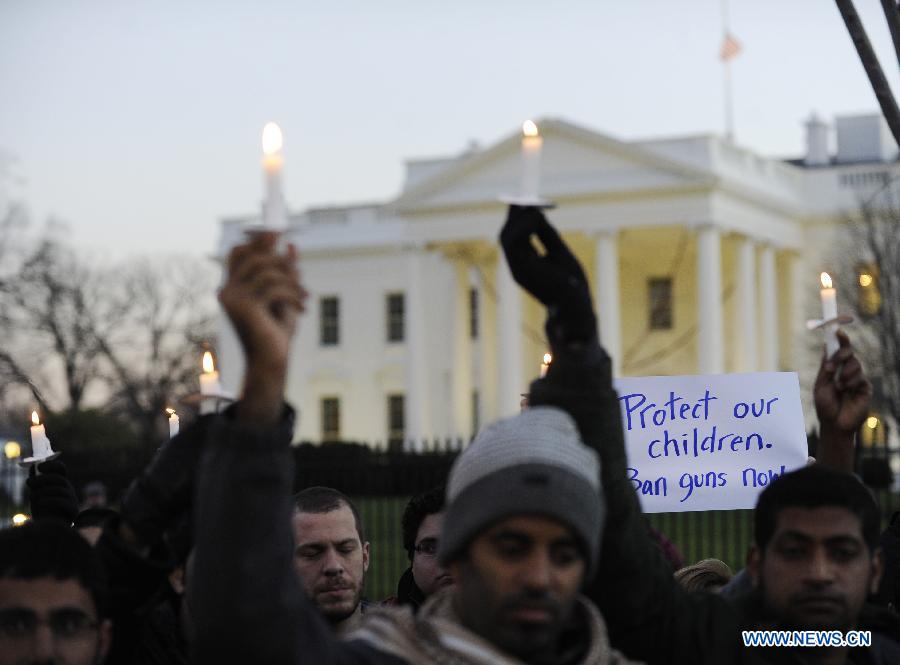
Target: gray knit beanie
<point>531,464</point>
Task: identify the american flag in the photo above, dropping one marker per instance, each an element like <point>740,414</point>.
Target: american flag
<point>731,47</point>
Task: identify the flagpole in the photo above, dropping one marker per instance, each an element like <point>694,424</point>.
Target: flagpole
<point>729,104</point>
<point>726,79</point>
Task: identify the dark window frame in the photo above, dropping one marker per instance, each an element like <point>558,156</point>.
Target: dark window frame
<point>660,303</point>
<point>330,409</point>
<point>395,317</point>
<point>329,321</point>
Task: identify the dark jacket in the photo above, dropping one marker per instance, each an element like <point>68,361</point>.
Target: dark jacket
<point>408,593</point>
<point>649,616</point>
<point>246,602</point>
<point>245,599</point>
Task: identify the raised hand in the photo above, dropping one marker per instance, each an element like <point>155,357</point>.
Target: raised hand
<point>263,297</point>
<point>51,494</point>
<point>556,278</point>
<point>842,400</point>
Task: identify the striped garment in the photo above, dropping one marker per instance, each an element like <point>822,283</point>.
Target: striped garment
<point>435,636</point>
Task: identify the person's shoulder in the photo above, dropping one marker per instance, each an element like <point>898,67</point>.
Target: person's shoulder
<point>389,630</point>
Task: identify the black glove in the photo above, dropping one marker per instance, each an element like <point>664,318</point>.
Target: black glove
<point>52,495</point>
<point>158,497</point>
<point>556,279</point>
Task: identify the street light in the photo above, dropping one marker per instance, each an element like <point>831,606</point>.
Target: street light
<point>12,450</point>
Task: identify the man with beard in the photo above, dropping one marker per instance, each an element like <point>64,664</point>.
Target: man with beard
<point>815,555</point>
<point>422,521</point>
<point>331,555</point>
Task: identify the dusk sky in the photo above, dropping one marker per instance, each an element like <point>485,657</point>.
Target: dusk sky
<point>138,124</point>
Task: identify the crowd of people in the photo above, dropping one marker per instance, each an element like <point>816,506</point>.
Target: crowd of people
<point>534,551</point>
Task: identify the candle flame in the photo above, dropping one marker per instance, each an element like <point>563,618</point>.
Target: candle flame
<point>529,128</point>
<point>34,418</point>
<point>170,411</point>
<point>271,138</point>
<point>208,364</point>
<point>548,359</point>
<point>825,278</point>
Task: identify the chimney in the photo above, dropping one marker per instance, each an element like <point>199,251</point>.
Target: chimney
<point>864,138</point>
<point>816,142</point>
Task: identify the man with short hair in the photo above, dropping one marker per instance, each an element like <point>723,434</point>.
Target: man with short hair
<point>52,597</point>
<point>331,554</point>
<point>521,534</point>
<point>421,523</point>
<point>815,555</point>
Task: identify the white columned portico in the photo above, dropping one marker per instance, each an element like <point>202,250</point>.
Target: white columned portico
<point>510,381</point>
<point>417,406</point>
<point>768,309</point>
<point>462,354</point>
<point>710,336</point>
<point>606,292</point>
<point>746,321</point>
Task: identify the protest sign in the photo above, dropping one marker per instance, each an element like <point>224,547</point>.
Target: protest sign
<point>710,442</point>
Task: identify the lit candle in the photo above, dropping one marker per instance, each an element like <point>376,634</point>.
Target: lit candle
<point>209,384</point>
<point>545,365</point>
<point>829,311</point>
<point>531,160</point>
<point>274,217</point>
<point>173,422</point>
<point>40,444</point>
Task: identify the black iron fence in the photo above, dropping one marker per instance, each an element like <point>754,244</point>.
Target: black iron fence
<point>381,479</point>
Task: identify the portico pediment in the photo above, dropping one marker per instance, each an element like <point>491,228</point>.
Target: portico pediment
<point>575,163</point>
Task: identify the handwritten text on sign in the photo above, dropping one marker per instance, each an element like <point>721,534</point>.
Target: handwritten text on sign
<point>710,442</point>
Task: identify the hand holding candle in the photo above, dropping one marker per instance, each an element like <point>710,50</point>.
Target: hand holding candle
<point>829,312</point>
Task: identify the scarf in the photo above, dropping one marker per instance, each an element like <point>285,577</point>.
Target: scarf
<point>436,636</point>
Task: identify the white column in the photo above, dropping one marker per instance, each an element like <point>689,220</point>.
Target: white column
<point>768,318</point>
<point>418,412</point>
<point>710,337</point>
<point>745,321</point>
<point>606,292</point>
<point>488,372</point>
<point>792,345</point>
<point>511,382</point>
<point>462,355</point>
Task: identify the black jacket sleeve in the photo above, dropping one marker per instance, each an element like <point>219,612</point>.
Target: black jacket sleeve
<point>649,617</point>
<point>246,603</point>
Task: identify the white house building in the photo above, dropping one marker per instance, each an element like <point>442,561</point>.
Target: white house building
<point>703,256</point>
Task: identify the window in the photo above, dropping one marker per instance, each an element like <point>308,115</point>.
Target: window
<point>331,419</point>
<point>869,295</point>
<point>396,419</point>
<point>659,296</point>
<point>473,313</point>
<point>329,321</point>
<point>394,315</point>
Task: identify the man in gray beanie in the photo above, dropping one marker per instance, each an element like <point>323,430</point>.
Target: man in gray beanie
<point>532,464</point>
<point>521,533</point>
